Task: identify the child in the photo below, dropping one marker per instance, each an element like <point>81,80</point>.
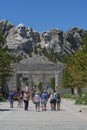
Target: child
<point>58,100</point>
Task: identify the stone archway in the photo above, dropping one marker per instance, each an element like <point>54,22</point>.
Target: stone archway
<point>38,66</point>
<point>39,75</point>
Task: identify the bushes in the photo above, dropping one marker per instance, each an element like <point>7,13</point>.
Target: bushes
<point>1,98</point>
<point>82,99</point>
<point>70,96</point>
<point>79,99</point>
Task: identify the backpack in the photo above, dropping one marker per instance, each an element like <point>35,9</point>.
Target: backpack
<point>43,96</point>
<point>20,95</point>
<point>37,98</point>
<point>11,95</point>
<point>58,99</point>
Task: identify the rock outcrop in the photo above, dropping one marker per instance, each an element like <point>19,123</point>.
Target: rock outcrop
<point>5,26</point>
<point>22,39</point>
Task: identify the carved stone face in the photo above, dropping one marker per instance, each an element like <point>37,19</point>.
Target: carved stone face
<point>21,29</point>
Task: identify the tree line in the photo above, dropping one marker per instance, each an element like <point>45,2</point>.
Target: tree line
<point>6,60</point>
<point>75,68</point>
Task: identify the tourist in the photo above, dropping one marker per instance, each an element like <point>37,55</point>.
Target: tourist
<point>26,97</point>
<point>52,101</point>
<point>11,98</point>
<point>55,99</point>
<point>58,101</point>
<point>20,99</point>
<point>44,99</point>
<point>37,101</point>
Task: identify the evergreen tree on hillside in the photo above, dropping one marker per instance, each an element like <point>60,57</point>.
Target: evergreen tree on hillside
<point>84,46</point>
<point>76,67</point>
<point>5,61</point>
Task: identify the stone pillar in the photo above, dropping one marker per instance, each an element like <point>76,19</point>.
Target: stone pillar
<point>12,83</point>
<point>18,81</point>
<point>44,81</point>
<point>30,80</point>
<point>56,82</point>
<point>58,76</point>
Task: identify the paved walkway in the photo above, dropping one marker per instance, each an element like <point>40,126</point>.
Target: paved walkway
<point>68,118</point>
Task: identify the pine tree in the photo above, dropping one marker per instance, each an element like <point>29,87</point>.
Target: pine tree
<point>5,61</point>
<point>76,68</point>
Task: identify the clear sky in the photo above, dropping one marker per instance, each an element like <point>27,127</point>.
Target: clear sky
<point>43,15</point>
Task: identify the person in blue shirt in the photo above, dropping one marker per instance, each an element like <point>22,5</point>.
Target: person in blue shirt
<point>44,99</point>
<point>11,98</point>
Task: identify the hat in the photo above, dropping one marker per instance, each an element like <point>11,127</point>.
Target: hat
<point>51,91</point>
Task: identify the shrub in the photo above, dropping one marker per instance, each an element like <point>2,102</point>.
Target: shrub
<point>70,96</point>
<point>82,99</point>
<point>2,98</point>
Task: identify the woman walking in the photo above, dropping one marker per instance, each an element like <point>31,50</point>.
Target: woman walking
<point>26,100</point>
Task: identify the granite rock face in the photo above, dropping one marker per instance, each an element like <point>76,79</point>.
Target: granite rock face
<point>52,39</point>
<point>5,26</point>
<point>22,38</point>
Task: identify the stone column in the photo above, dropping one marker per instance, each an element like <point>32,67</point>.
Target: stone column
<point>18,81</point>
<point>58,76</point>
<point>30,80</point>
<point>56,82</point>
<point>44,81</point>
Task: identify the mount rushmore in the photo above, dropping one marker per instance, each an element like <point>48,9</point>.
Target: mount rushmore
<point>22,38</point>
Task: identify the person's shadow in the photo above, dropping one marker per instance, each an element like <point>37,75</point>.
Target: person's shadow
<point>4,109</point>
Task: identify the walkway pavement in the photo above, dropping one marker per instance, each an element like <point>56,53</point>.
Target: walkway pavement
<point>68,118</point>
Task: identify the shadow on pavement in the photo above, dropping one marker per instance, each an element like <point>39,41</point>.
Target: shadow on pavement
<point>4,109</point>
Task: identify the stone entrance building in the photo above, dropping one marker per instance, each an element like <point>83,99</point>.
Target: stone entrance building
<point>36,69</point>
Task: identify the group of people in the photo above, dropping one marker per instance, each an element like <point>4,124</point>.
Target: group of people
<point>40,99</point>
<point>19,96</point>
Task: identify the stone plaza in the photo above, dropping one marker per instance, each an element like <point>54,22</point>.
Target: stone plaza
<point>68,118</point>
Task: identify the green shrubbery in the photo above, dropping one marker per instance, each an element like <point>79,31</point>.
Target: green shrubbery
<point>2,98</point>
<point>79,99</point>
<point>70,96</point>
<point>82,99</point>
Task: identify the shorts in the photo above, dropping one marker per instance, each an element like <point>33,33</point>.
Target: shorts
<point>37,103</point>
<point>52,100</point>
<point>43,101</point>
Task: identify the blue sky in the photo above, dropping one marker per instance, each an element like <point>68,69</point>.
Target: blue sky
<point>43,15</point>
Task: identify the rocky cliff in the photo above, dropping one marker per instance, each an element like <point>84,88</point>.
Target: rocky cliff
<point>22,38</point>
